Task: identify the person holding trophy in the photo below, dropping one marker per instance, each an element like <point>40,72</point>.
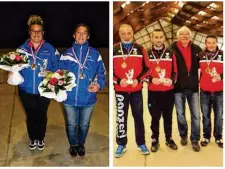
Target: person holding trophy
<point>211,94</point>
<point>42,58</point>
<point>161,89</point>
<point>129,71</point>
<point>87,65</point>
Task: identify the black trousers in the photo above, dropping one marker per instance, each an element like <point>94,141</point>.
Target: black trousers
<point>161,103</point>
<point>35,108</point>
<point>135,100</point>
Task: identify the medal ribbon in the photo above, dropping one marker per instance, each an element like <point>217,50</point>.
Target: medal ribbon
<point>128,52</point>
<point>85,60</point>
<point>158,60</point>
<point>34,56</point>
<point>208,62</point>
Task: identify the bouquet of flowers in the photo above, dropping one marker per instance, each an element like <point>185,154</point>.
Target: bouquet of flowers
<point>14,62</point>
<point>55,85</point>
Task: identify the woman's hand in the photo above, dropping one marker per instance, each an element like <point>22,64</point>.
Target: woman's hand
<point>93,88</point>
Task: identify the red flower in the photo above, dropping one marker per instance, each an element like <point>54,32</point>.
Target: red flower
<point>53,81</point>
<point>18,58</point>
<point>60,72</point>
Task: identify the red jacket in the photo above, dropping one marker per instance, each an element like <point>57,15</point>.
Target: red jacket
<point>216,65</point>
<point>167,65</point>
<point>133,65</point>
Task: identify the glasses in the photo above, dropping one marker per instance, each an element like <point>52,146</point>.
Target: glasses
<point>36,31</point>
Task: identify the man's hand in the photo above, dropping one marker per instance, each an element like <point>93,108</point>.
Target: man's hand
<point>135,83</point>
<point>156,81</point>
<point>123,83</point>
<point>216,78</point>
<point>167,82</point>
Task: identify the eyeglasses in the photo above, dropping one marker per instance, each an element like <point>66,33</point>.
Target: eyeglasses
<point>36,31</point>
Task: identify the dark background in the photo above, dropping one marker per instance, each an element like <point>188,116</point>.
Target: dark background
<point>60,19</point>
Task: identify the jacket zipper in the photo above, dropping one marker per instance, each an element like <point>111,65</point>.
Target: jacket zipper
<point>185,63</point>
<point>78,77</point>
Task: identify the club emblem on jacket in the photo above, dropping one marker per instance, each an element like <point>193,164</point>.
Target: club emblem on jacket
<point>134,51</point>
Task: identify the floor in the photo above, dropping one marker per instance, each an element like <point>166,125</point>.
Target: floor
<point>211,155</point>
<point>14,139</point>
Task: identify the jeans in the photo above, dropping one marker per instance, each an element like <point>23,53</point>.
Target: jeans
<point>208,101</point>
<point>193,102</point>
<point>77,123</point>
<point>36,108</point>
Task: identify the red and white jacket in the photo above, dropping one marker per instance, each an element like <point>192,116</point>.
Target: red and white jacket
<point>167,65</point>
<point>135,66</point>
<point>215,64</point>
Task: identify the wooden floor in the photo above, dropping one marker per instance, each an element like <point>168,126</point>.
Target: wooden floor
<point>14,139</point>
<point>211,156</point>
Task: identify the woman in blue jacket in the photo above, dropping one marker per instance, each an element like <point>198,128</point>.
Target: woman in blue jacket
<point>87,65</point>
<point>42,57</point>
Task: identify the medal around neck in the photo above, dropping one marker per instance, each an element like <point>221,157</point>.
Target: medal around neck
<point>81,76</point>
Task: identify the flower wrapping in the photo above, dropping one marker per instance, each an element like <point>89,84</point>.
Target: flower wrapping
<point>55,85</point>
<point>14,62</point>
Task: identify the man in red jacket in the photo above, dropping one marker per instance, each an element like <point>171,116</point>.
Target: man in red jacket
<point>129,71</point>
<point>211,85</point>
<point>160,89</point>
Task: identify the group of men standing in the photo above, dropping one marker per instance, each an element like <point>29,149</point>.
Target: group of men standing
<point>173,75</point>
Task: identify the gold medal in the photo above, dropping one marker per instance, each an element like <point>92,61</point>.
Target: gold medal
<point>81,76</point>
<point>33,66</point>
<point>157,69</point>
<point>124,65</point>
<point>207,70</point>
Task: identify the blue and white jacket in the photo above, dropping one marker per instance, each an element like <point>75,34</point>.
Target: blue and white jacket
<point>47,56</point>
<point>79,96</point>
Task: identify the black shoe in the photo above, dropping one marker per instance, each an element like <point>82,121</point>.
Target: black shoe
<point>205,142</point>
<point>219,143</point>
<point>73,150</point>
<point>41,145</point>
<point>155,145</point>
<point>33,144</point>
<point>183,141</point>
<point>196,146</point>
<point>170,143</point>
<point>81,150</point>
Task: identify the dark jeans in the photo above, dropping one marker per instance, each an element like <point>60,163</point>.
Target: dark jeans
<point>36,108</point>
<point>193,102</point>
<point>123,100</point>
<point>208,101</point>
<point>77,123</point>
<point>161,103</point>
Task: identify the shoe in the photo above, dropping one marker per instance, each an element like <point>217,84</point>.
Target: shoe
<point>219,143</point>
<point>120,151</point>
<point>41,145</point>
<point>144,150</point>
<point>205,142</point>
<point>81,150</point>
<point>195,146</point>
<point>183,141</point>
<point>170,143</point>
<point>73,150</point>
<point>155,145</point>
<point>33,144</point>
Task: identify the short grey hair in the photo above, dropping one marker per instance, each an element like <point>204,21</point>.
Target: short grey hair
<point>184,29</point>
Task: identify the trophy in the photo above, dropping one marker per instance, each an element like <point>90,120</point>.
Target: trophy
<point>43,72</point>
<point>213,73</point>
<point>129,76</point>
<point>162,74</point>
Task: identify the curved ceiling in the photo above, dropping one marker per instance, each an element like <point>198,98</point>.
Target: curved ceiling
<point>205,16</point>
